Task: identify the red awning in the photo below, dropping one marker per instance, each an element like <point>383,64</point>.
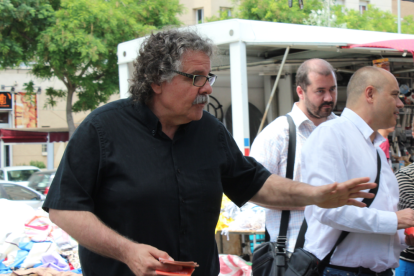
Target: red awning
<point>33,135</point>
<point>397,44</point>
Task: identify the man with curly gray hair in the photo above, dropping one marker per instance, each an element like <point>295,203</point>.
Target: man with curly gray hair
<point>142,178</point>
<point>160,58</point>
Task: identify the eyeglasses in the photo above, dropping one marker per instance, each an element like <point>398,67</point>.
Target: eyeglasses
<point>198,80</point>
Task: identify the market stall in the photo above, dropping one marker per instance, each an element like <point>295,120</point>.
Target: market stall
<point>256,68</point>
<point>34,135</point>
<point>31,243</point>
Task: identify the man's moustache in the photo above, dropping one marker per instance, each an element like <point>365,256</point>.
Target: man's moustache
<point>326,103</point>
<point>201,99</point>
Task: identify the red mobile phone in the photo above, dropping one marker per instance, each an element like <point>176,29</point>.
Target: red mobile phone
<point>409,231</point>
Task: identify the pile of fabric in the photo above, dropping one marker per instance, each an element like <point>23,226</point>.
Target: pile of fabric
<point>248,217</point>
<point>231,265</point>
<point>224,220</point>
<point>31,243</point>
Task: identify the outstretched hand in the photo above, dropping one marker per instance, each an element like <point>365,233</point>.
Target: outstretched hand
<point>143,260</point>
<point>336,195</point>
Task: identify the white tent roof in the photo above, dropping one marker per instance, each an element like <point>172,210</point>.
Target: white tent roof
<point>259,36</point>
<point>251,46</point>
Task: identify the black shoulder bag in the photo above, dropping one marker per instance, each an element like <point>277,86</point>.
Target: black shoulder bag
<point>269,258</point>
<point>304,263</point>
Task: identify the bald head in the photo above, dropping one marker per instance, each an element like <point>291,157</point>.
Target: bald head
<point>364,77</point>
<point>316,65</point>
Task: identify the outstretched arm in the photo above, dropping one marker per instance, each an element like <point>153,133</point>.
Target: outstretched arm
<point>90,232</point>
<point>279,191</point>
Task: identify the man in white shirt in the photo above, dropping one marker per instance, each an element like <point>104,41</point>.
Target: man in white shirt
<point>317,91</point>
<point>345,148</point>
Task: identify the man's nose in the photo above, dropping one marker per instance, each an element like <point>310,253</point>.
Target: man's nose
<point>400,104</point>
<point>328,97</point>
<point>206,89</point>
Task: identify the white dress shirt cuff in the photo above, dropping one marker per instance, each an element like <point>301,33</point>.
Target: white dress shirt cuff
<point>401,235</point>
<point>387,223</point>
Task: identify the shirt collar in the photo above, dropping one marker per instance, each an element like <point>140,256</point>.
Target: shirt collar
<point>362,126</point>
<point>151,121</point>
<point>299,117</point>
<point>148,118</point>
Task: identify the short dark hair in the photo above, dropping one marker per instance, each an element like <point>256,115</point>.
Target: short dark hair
<point>317,65</point>
<point>161,53</point>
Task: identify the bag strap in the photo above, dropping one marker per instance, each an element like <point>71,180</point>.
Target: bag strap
<point>284,221</point>
<point>300,241</point>
<point>291,148</point>
<point>368,202</point>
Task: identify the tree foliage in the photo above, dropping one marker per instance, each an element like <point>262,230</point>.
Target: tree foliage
<point>318,13</point>
<point>272,10</point>
<point>324,17</point>
<point>372,19</point>
<point>223,15</point>
<point>77,42</point>
<point>407,25</point>
<point>20,24</point>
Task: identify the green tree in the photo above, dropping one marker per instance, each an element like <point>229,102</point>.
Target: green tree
<point>324,17</point>
<point>373,19</point>
<point>21,22</point>
<point>276,10</point>
<point>407,25</point>
<point>223,15</point>
<point>39,164</point>
<point>77,43</point>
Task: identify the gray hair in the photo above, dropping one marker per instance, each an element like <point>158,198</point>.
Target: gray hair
<point>317,65</point>
<point>159,55</point>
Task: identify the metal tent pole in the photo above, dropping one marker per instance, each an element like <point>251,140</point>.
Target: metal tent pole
<point>274,89</point>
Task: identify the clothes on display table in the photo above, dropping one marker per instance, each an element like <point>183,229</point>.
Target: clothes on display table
<point>270,148</point>
<point>330,155</point>
<point>166,193</point>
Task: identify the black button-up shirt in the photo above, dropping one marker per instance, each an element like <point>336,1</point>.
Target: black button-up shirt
<point>167,193</point>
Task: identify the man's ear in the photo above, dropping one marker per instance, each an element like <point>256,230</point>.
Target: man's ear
<point>300,92</point>
<point>370,93</point>
<point>156,88</point>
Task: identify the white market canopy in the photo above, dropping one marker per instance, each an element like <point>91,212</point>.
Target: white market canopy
<point>245,45</point>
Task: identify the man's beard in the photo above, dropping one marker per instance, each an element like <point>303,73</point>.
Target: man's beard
<point>201,99</point>
<point>317,112</point>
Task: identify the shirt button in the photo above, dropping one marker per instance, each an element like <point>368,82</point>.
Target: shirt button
<point>178,170</point>
<point>153,132</point>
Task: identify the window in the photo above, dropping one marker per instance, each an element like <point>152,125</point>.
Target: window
<point>1,175</point>
<point>40,180</point>
<point>44,149</point>
<point>15,192</point>
<point>20,175</point>
<point>363,8</point>
<point>227,10</point>
<point>199,16</point>
<point>4,118</point>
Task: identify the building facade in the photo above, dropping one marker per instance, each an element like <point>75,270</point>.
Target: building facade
<point>38,116</point>
<point>407,8</point>
<point>197,11</point>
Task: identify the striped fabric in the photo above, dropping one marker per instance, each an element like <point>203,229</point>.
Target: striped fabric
<point>405,178</point>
